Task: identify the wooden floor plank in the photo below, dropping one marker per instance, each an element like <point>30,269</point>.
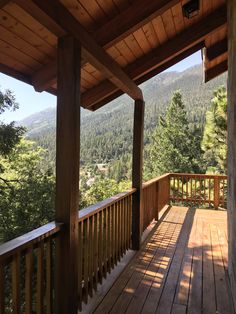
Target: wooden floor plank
<point>121,283</point>
<point>209,297</point>
<point>152,273</point>
<point>167,297</point>
<point>160,278</point>
<point>181,268</point>
<point>178,309</point>
<point>195,293</point>
<point>222,296</point>
<point>128,293</point>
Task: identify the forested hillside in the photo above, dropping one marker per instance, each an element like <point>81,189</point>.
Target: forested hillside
<point>106,135</point>
<point>185,130</point>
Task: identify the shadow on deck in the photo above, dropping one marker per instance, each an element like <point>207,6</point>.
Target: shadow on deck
<point>181,268</point>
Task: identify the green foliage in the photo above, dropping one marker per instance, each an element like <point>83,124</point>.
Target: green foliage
<point>27,192</point>
<point>174,146</point>
<point>102,189</point>
<point>9,134</point>
<point>214,141</point>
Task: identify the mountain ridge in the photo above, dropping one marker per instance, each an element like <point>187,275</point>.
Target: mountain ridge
<point>106,134</point>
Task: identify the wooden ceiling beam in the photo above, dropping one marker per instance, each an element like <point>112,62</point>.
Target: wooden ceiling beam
<point>120,27</point>
<point>3,3</point>
<point>15,74</point>
<point>215,71</point>
<point>141,67</point>
<point>217,49</point>
<point>21,77</point>
<point>93,52</point>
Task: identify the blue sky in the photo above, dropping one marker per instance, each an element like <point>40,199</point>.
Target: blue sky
<point>31,102</point>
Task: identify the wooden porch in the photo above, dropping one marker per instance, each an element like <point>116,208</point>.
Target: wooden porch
<point>181,268</point>
<point>64,47</point>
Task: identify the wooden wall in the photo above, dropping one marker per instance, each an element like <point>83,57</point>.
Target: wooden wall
<point>232,144</point>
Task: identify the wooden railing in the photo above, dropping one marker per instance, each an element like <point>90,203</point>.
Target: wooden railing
<point>104,237</point>
<point>27,263</point>
<point>27,272</point>
<point>156,194</point>
<point>199,189</point>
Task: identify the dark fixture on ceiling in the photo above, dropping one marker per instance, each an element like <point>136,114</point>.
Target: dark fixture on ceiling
<point>191,8</point>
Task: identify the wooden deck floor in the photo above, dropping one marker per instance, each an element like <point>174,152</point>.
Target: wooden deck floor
<point>180,269</point>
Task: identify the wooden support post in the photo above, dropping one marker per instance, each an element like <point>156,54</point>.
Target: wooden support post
<point>231,126</point>
<point>67,174</point>
<point>216,192</point>
<point>137,173</point>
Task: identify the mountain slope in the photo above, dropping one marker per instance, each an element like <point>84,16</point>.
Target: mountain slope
<point>107,133</point>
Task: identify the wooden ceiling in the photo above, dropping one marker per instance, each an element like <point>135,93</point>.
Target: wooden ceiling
<point>125,42</point>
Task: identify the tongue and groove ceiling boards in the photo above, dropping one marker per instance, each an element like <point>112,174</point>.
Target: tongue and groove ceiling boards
<point>125,42</point>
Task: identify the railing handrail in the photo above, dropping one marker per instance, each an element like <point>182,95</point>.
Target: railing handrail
<point>23,242</point>
<point>199,175</point>
<point>149,182</point>
<point>93,209</point>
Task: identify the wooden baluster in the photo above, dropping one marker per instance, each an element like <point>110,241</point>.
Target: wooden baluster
<point>86,258</point>
<point>49,307</point>
<point>91,254</point>
<point>124,221</point>
<point>116,233</point>
<point>187,183</point>
<point>209,191</point>
<point>204,187</point>
<point>16,284</point>
<point>174,191</point>
<point>120,228</point>
<point>224,193</point>
<point>105,241</point>
<point>40,279</point>
<point>2,288</point>
<point>216,192</point>
<point>127,222</point>
<point>109,240</point>
<point>28,280</point>
<point>156,195</point>
<point>113,236</point>
<point>95,261</point>
<point>125,226</point>
<point>130,219</point>
<point>100,245</point>
<point>191,189</point>
<point>80,261</point>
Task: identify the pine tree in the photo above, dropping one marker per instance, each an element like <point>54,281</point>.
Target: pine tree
<point>214,141</point>
<point>174,146</point>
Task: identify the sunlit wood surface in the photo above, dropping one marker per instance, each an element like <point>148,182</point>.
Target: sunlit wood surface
<point>182,268</point>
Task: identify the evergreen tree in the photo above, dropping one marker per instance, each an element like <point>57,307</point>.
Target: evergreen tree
<point>9,133</point>
<point>174,146</point>
<point>214,141</point>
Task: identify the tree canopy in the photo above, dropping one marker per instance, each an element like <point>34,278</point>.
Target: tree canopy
<point>174,146</point>
<point>214,141</point>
